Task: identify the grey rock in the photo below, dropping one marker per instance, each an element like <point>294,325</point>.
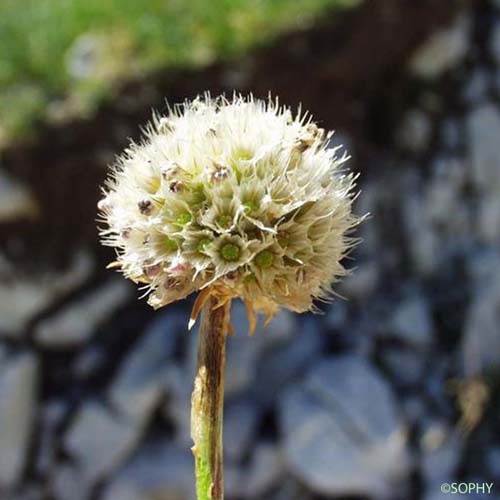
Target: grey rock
<point>336,316</point>
<point>277,367</point>
<point>482,265</point>
<point>240,424</point>
<point>423,239</point>
<point>282,328</point>
<point>443,50</point>
<point>496,79</point>
<point>140,380</point>
<point>76,322</point>
<point>16,201</point>
<point>495,43</point>
<point>415,131</point>
<point>426,249</point>
<point>265,470</point>
<point>291,489</point>
<point>481,342</point>
<point>363,282</point>
<point>158,471</point>
<point>451,133</point>
<point>412,322</point>
<point>51,416</point>
<point>414,409</point>
<point>442,199</point>
<point>99,441</point>
<point>342,432</point>
<point>369,203</point>
<point>457,230</point>
<point>243,351</point>
<point>68,484</point>
<point>21,300</point>
<point>437,388</point>
<point>177,409</point>
<point>441,448</point>
<point>406,367</point>
<point>27,492</point>
<point>493,461</point>
<point>89,361</point>
<point>476,86</point>
<point>450,218</point>
<point>4,354</point>
<point>483,126</point>
<point>489,217</point>
<point>18,393</point>
<point>241,361</point>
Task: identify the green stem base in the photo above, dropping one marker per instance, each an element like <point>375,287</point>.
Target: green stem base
<point>207,401</point>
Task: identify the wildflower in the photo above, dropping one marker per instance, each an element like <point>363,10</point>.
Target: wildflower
<point>235,196</point>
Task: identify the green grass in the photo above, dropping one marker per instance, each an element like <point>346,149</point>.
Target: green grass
<point>118,39</point>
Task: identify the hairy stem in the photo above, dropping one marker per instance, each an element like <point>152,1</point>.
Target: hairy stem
<point>207,401</point>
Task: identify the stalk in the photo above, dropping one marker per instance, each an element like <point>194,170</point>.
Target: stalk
<point>207,401</point>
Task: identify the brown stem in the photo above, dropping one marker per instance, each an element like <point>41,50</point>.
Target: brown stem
<point>208,400</point>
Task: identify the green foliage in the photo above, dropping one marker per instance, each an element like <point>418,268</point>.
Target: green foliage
<point>78,49</point>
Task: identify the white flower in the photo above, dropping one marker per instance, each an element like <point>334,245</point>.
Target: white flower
<point>233,197</point>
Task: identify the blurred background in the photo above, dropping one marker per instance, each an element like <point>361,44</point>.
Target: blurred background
<point>388,395</point>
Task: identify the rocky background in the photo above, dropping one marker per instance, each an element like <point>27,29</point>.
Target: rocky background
<point>389,394</point>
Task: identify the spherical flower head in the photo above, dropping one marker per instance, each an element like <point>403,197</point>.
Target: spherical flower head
<point>236,198</point>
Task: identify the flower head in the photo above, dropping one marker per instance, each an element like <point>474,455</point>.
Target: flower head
<point>237,198</point>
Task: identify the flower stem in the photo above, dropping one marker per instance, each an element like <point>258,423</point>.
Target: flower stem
<point>207,401</point>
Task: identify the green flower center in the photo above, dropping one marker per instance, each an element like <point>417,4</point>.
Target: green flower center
<point>250,206</point>
<point>183,218</point>
<point>243,154</point>
<point>230,252</point>
<point>264,259</point>
<point>152,184</point>
<point>224,221</point>
<point>249,279</point>
<point>170,245</point>
<point>203,244</point>
<point>198,194</point>
<point>283,239</point>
